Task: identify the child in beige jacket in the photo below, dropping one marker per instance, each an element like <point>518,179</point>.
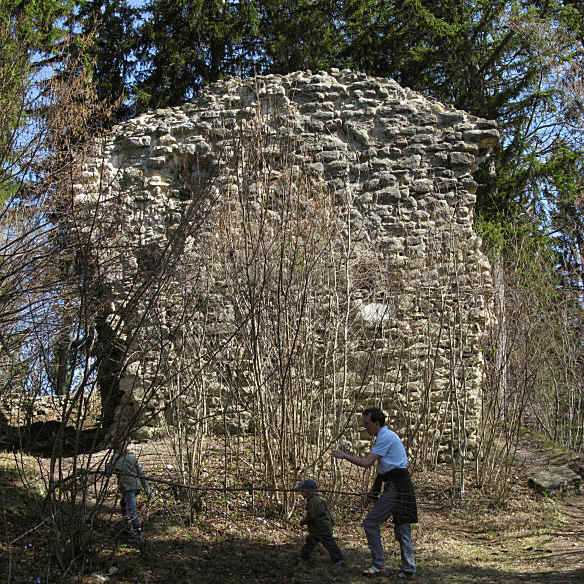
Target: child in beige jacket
<point>131,480</point>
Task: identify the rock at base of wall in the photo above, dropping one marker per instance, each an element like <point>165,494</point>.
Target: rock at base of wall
<point>578,467</point>
<point>556,479</point>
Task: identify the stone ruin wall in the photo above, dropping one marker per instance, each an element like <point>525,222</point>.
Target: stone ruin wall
<point>407,163</point>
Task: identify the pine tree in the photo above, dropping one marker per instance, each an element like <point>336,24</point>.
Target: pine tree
<point>112,26</point>
<point>186,44</point>
<point>299,35</point>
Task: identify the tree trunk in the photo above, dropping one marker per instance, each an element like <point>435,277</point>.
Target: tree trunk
<point>501,331</point>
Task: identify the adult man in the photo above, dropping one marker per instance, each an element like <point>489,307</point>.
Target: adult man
<point>398,498</point>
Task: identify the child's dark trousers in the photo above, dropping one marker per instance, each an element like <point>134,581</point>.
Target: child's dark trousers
<point>329,543</point>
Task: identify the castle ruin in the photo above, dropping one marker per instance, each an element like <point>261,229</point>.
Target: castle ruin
<point>303,235</point>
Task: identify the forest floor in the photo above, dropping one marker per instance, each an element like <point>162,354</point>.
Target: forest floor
<point>241,539</point>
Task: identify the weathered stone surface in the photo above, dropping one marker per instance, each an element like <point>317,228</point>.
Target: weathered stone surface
<point>555,479</point>
<point>578,467</point>
<point>404,162</point>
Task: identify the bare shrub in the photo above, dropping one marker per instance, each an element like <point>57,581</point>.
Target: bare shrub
<point>277,255</point>
<point>533,378</point>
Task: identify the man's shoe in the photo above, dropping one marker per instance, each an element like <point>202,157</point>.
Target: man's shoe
<point>406,575</point>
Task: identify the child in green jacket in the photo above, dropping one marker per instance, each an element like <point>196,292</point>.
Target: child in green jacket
<point>320,524</point>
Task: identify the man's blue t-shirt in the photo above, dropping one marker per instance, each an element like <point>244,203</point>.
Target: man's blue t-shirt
<point>390,450</point>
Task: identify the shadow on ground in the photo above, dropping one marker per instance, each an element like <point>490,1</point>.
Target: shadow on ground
<point>236,560</point>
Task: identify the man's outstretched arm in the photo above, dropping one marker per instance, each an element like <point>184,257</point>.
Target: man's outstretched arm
<point>364,461</point>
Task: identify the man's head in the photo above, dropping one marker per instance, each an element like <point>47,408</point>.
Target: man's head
<point>373,419</point>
